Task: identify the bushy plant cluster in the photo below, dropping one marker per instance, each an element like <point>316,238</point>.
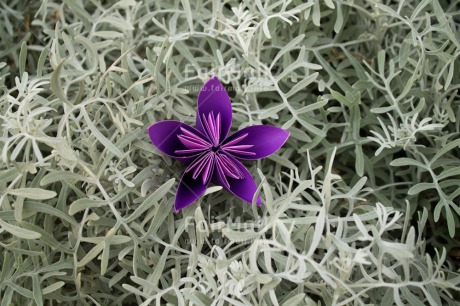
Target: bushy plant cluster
<point>361,205</point>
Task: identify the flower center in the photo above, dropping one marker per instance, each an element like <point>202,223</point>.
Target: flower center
<point>213,153</point>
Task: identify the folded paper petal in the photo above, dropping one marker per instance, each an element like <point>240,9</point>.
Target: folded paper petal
<point>189,191</point>
<point>214,98</point>
<point>165,136</point>
<point>244,188</point>
<point>260,140</point>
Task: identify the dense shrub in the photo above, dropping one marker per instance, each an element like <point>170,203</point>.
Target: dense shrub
<point>361,206</point>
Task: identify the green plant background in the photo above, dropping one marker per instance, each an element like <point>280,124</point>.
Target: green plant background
<point>361,205</point>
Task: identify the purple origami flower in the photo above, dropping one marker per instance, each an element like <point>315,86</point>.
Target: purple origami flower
<point>207,151</point>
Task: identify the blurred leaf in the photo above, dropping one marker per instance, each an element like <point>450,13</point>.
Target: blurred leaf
<point>33,193</point>
<point>18,231</point>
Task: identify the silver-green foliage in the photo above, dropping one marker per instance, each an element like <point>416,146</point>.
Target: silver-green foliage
<point>361,206</point>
